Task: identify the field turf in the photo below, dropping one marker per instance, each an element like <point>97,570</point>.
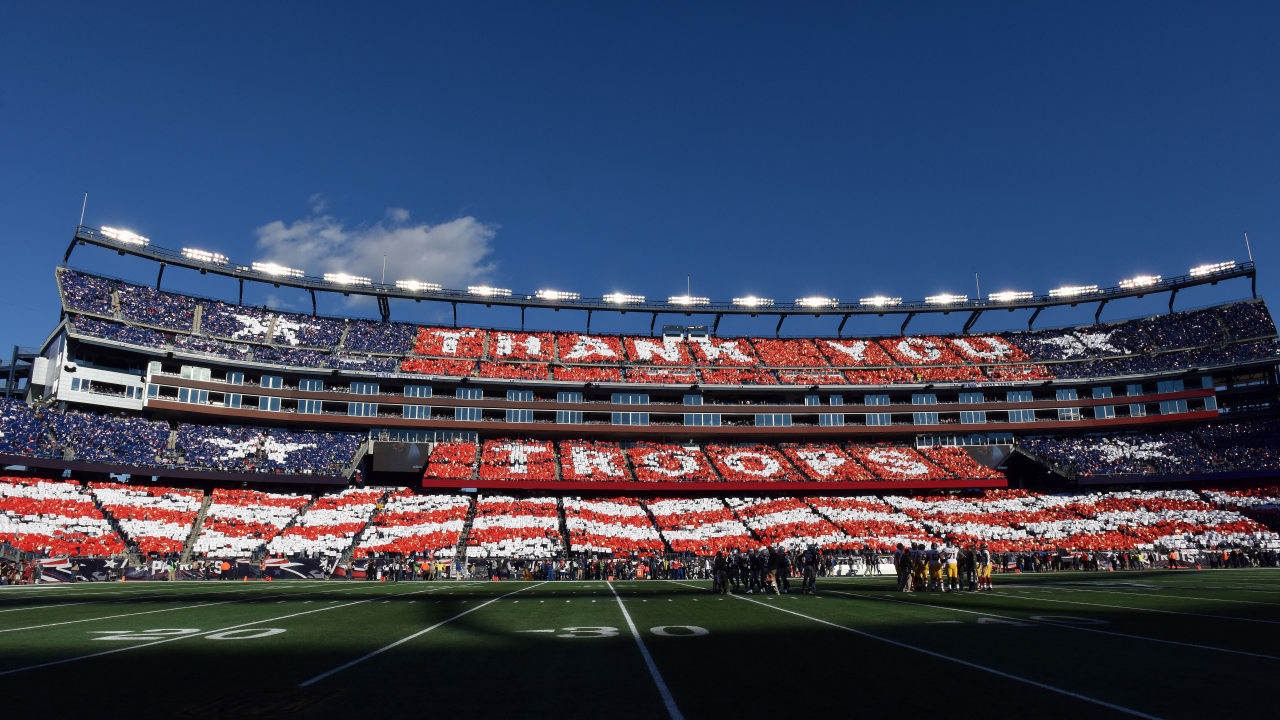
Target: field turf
<point>1175,644</point>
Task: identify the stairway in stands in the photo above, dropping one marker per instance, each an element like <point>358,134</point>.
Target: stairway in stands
<point>261,552</point>
<point>347,554</point>
<point>465,536</point>
<point>653,519</point>
<point>197,526</point>
<point>130,551</point>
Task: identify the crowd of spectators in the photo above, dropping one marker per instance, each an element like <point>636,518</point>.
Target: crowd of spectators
<point>246,449</point>
<point>452,461</point>
<point>921,350</point>
<point>149,306</point>
<point>241,522</point>
<point>518,460</point>
<point>99,437</point>
<point>1161,453</point>
<point>433,366</point>
<point>513,370</point>
<point>579,348</point>
<point>329,526</point>
<point>582,460</point>
<point>615,526</point>
<point>789,523</point>
<point>409,523</point>
<point>450,342</point>
<point>1204,337</point>
<point>505,345</point>
<point>657,351</point>
<point>667,376</point>
<point>52,518</point>
<point>212,346</point>
<point>506,526</point>
<point>62,518</point>
<point>753,463</point>
<point>701,526</point>
<point>235,322</point>
<point>128,334</point>
<point>366,336</point>
<point>307,331</point>
<point>597,461</point>
<point>661,463</point>
<point>87,293</point>
<point>292,356</point>
<point>154,519</point>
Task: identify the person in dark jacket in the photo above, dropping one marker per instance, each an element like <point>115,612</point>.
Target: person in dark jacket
<point>720,570</point>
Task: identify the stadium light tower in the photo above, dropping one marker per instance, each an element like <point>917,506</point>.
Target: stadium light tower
<point>946,299</point>
<point>751,301</point>
<point>685,300</point>
<point>618,298</point>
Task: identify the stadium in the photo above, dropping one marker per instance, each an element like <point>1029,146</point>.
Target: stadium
<point>314,514</point>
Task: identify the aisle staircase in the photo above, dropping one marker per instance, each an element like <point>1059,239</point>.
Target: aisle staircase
<point>261,552</point>
<point>197,527</point>
<point>346,555</point>
<point>465,536</point>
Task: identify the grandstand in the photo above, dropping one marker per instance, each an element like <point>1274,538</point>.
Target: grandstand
<point>165,436</point>
<point>258,433</point>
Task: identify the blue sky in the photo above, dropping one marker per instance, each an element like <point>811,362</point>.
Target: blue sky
<point>842,149</point>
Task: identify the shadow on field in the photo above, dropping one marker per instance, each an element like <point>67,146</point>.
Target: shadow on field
<point>752,660</point>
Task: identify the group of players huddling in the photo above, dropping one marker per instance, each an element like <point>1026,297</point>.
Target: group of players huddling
<point>950,568</point>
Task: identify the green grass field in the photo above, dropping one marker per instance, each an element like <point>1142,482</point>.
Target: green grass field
<point>1147,644</point>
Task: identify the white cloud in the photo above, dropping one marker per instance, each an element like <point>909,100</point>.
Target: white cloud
<point>318,202</point>
<point>453,253</point>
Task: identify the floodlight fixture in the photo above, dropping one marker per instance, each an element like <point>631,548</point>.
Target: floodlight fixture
<point>1212,268</point>
<point>486,291</point>
<point>1067,291</point>
<point>557,295</point>
<point>127,237</point>
<point>204,256</point>
<point>1139,281</point>
<point>345,279</point>
<point>418,286</point>
<point>1008,296</point>
<point>277,270</point>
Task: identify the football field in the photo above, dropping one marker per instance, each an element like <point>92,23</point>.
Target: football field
<point>1146,644</point>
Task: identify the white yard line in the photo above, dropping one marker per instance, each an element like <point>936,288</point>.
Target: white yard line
<point>948,658</point>
<point>181,637</point>
<point>141,612</point>
<point>407,638</point>
<point>1067,626</point>
<point>667,700</point>
<point>1130,607</point>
